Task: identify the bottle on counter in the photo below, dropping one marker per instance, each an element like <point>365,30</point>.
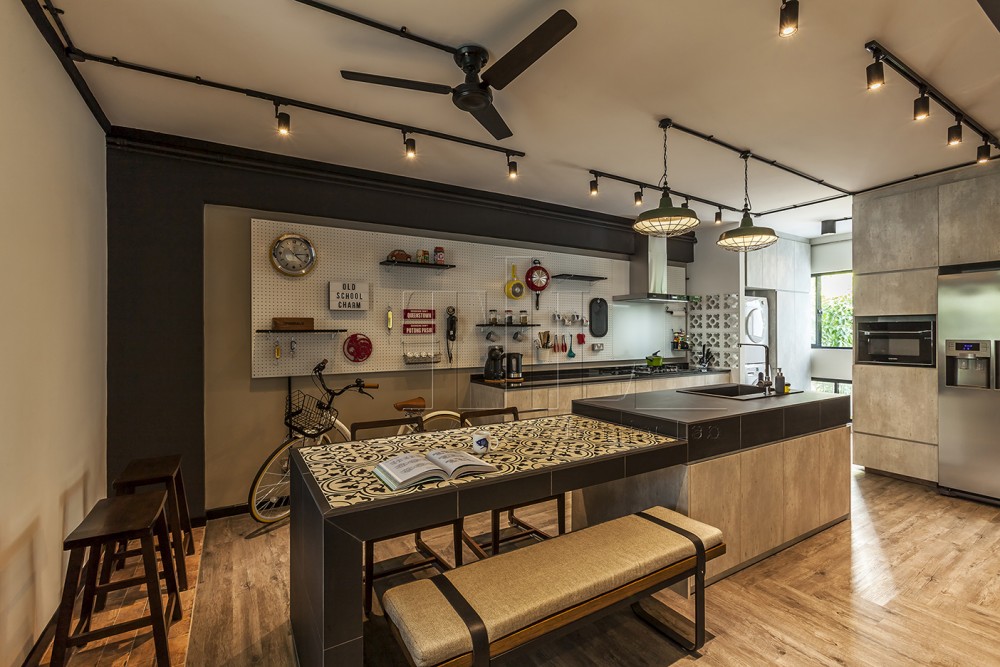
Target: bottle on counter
<point>779,382</point>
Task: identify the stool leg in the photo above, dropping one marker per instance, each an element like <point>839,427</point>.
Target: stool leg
<point>163,537</point>
<point>456,538</point>
<point>561,509</point>
<point>495,531</point>
<point>110,553</point>
<point>119,558</point>
<point>369,575</point>
<point>155,601</point>
<point>174,521</point>
<point>182,501</point>
<point>89,585</point>
<point>65,616</point>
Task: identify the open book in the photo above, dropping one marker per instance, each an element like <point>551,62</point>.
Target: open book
<point>406,470</point>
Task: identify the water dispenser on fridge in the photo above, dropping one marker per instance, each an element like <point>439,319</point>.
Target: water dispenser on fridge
<point>968,363</point>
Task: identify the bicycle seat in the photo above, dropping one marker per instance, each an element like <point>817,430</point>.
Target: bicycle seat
<point>417,404</point>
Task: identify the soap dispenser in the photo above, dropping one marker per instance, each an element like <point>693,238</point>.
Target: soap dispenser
<point>779,382</point>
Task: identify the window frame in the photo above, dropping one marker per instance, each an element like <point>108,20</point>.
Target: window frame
<point>817,307</point>
<point>836,382</point>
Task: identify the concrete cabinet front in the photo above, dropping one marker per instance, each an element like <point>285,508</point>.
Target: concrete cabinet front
<point>968,220</point>
<point>896,232</point>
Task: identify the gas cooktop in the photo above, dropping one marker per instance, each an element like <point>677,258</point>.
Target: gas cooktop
<point>642,370</point>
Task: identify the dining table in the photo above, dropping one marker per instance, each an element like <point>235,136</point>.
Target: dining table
<point>337,503</point>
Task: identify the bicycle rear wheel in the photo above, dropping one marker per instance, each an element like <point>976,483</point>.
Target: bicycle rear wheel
<point>269,497</point>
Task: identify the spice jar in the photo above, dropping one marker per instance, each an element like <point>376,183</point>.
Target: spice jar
<point>493,316</point>
<point>523,316</point>
<point>509,316</point>
<point>439,255</point>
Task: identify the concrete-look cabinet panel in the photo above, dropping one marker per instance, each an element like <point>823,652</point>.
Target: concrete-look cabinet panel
<point>898,293</point>
<point>901,457</point>
<point>896,232</point>
<point>897,402</point>
<point>968,220</point>
<point>783,266</point>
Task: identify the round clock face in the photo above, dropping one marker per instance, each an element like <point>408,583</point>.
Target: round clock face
<point>293,255</point>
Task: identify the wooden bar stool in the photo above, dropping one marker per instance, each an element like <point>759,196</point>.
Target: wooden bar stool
<point>524,529</point>
<point>137,516</point>
<point>165,470</point>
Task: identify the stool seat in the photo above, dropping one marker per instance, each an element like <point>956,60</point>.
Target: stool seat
<point>149,471</point>
<point>118,517</point>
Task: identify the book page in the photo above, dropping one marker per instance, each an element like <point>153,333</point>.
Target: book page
<point>405,468</point>
<point>452,460</point>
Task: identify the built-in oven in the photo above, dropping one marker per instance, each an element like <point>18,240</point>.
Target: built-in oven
<point>904,340</point>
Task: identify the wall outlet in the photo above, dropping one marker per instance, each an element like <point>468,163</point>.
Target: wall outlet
<point>597,347</point>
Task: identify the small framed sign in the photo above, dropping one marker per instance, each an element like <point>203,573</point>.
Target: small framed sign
<point>418,328</point>
<point>348,295</point>
<point>418,313</point>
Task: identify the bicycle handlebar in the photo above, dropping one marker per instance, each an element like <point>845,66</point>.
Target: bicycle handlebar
<point>369,385</point>
<point>329,394</point>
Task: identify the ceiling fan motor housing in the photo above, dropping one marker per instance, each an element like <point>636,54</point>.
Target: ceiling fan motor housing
<point>472,95</point>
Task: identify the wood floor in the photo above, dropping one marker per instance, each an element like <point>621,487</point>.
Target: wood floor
<point>912,578</point>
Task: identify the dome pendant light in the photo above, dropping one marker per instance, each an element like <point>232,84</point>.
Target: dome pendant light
<point>666,219</point>
<point>747,237</point>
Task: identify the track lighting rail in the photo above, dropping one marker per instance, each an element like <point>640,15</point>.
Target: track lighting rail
<point>83,56</point>
<point>879,52</point>
<point>650,186</point>
<point>712,139</point>
<point>399,32</point>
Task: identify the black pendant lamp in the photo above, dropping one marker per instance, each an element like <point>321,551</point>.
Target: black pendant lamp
<point>747,237</point>
<point>666,219</point>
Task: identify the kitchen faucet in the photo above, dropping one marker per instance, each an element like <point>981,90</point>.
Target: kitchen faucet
<point>764,382</point>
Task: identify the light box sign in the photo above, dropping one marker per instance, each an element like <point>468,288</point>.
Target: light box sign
<point>348,295</point>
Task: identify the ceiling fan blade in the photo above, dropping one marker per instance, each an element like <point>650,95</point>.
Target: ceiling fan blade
<point>490,118</point>
<point>992,9</point>
<point>396,83</point>
<point>531,48</point>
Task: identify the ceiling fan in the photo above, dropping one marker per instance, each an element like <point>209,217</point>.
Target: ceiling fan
<point>474,94</point>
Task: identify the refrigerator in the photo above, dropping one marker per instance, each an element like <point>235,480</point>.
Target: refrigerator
<point>968,364</point>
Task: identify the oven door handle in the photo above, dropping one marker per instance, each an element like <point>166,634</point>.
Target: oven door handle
<point>895,333</point>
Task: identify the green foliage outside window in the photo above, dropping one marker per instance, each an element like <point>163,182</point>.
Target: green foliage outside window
<point>837,321</point>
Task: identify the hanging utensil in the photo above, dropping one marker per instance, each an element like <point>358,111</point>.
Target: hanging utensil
<point>537,279</point>
<point>514,287</point>
<point>571,353</point>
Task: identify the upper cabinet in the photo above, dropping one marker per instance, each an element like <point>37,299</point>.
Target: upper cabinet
<point>782,266</point>
<point>968,221</point>
<point>896,232</point>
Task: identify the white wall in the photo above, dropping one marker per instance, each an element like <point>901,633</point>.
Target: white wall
<point>829,255</point>
<point>53,299</point>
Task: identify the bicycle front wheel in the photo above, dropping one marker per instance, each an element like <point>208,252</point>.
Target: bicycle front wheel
<point>269,499</point>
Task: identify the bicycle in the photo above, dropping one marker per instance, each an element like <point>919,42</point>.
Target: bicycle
<point>314,421</point>
<point>311,421</point>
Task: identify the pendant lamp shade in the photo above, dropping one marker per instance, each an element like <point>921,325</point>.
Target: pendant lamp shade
<point>747,237</point>
<point>666,219</point>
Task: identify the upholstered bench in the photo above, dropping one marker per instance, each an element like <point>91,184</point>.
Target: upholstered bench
<point>504,604</point>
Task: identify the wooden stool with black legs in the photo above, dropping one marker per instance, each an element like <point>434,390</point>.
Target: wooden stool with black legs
<point>166,471</point>
<point>524,529</point>
<point>140,516</point>
<point>431,557</point>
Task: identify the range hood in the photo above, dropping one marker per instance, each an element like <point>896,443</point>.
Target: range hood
<point>650,278</point>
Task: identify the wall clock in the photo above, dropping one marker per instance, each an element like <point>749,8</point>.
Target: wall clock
<point>293,255</point>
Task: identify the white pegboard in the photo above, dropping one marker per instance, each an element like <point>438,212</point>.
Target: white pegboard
<point>475,286</point>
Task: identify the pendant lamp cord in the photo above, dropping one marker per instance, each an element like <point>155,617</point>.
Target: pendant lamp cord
<point>746,182</point>
<point>663,181</point>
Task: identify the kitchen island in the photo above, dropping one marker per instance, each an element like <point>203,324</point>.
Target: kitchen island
<point>768,471</point>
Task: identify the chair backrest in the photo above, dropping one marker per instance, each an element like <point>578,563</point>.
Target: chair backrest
<point>415,421</point>
<point>468,416</point>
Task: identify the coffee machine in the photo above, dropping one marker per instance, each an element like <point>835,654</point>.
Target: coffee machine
<point>514,365</point>
<point>493,370</point>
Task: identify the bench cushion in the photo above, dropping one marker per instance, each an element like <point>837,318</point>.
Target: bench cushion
<point>518,588</point>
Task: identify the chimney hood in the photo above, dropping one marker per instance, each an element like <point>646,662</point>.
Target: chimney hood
<point>649,276</point>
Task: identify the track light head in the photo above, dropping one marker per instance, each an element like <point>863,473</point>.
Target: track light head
<point>511,170</point>
<point>983,153</point>
<point>955,133</point>
<point>284,124</point>
<point>788,18</point>
<point>876,74</point>
<point>828,227</point>
<point>638,197</point>
<point>410,147</point>
<point>593,188</point>
<point>718,217</point>
<point>921,106</point>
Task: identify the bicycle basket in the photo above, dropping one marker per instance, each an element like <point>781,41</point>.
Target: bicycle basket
<point>304,416</point>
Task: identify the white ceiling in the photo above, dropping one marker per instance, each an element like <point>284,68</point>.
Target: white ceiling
<point>592,102</point>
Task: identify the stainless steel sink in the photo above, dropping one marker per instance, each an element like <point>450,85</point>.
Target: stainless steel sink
<point>736,392</point>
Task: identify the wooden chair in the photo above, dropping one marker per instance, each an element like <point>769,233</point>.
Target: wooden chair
<point>431,558</point>
<point>165,471</point>
<point>524,529</point>
<point>140,517</point>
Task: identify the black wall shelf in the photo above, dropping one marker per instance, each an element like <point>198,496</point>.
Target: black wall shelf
<point>301,331</point>
<point>504,324</point>
<point>575,276</point>
<point>423,265</point>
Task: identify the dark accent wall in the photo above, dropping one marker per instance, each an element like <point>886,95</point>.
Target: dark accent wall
<point>158,186</point>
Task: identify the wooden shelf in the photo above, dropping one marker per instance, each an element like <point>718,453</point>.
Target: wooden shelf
<point>301,331</point>
<point>504,324</point>
<point>423,265</point>
<point>576,276</point>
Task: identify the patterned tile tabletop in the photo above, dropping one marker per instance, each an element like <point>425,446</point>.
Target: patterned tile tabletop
<point>344,471</point>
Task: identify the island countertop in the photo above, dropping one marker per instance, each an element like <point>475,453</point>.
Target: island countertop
<point>715,426</point>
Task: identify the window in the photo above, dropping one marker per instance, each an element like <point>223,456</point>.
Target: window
<point>829,386</point>
<point>833,294</point>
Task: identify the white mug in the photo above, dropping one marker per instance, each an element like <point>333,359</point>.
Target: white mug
<point>481,442</point>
